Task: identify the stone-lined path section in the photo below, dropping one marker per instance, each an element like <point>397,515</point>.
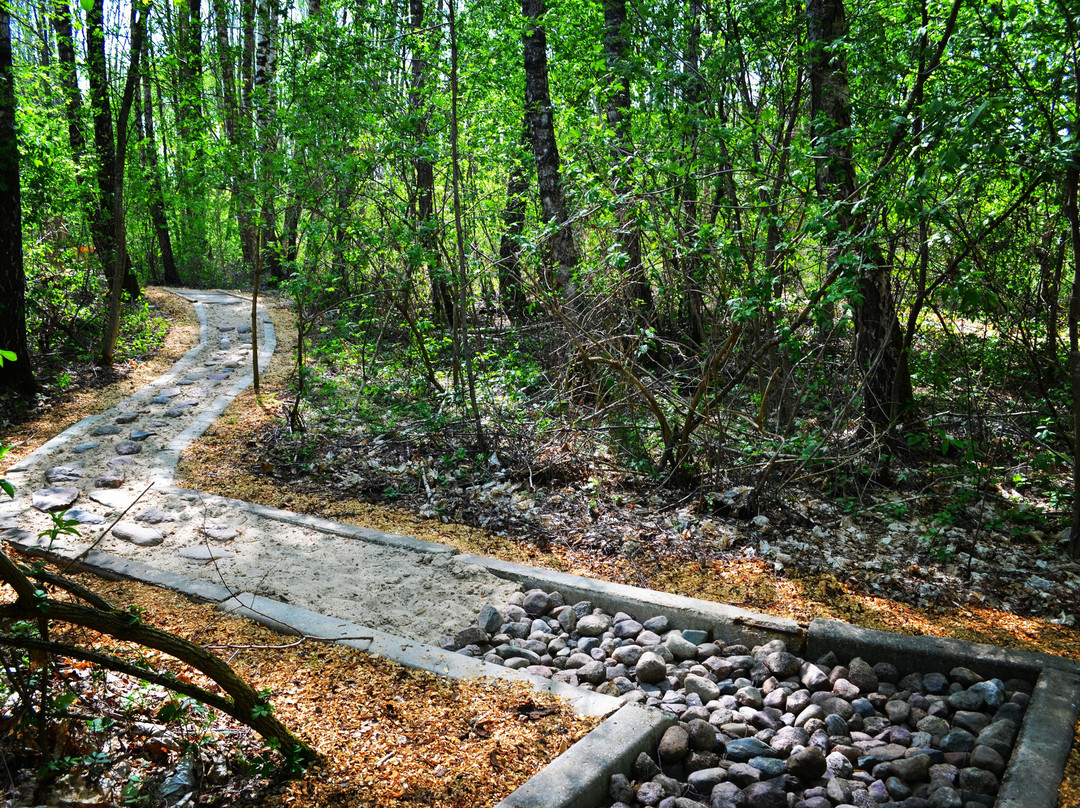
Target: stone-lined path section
<point>398,597</point>
<point>99,467</point>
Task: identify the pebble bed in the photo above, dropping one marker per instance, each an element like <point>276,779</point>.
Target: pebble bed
<point>760,727</point>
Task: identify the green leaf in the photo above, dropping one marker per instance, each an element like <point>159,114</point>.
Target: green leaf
<point>87,5</point>
<point>974,116</point>
<point>8,355</point>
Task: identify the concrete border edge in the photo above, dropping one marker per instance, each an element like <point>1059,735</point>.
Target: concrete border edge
<point>578,778</point>
<point>727,623</point>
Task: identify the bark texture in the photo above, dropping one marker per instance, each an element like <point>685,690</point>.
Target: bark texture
<point>628,234</point>
<point>879,343</point>
<point>541,125</point>
<point>15,375</point>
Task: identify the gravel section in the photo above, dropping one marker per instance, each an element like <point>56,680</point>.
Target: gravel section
<point>760,727</point>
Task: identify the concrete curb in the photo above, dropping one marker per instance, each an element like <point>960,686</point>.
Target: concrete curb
<point>293,620</point>
<point>578,778</point>
<point>726,623</point>
<point>924,654</point>
<point>1037,764</point>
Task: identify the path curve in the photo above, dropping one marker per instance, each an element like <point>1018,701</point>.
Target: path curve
<point>99,467</point>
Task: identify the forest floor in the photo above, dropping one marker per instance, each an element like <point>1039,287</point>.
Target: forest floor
<point>799,562</point>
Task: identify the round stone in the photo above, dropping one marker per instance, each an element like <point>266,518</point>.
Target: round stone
<point>537,602</point>
<point>593,625</point>
<point>674,745</point>
<point>680,647</point>
<point>141,536</point>
<point>650,668</point>
<point>702,735</point>
<point>704,688</point>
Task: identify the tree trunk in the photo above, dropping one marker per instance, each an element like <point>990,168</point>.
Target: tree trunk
<point>541,124</point>
<point>1072,189</point>
<point>879,343</point>
<point>191,186</point>
<point>442,299</point>
<point>239,178</point>
<point>264,100</point>
<point>157,196</point>
<point>511,284</point>
<point>616,49</point>
<point>103,223</point>
<point>16,375</point>
<point>693,265</point>
<point>120,256</point>
<point>69,78</point>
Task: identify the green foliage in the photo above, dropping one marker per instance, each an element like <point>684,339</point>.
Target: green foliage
<point>61,526</point>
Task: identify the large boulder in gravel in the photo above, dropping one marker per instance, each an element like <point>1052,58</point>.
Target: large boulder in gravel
<point>674,745</point>
<point>808,764</point>
<point>593,625</point>
<point>651,668</point>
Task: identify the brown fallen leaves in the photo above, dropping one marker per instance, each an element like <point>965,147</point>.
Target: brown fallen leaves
<point>390,736</point>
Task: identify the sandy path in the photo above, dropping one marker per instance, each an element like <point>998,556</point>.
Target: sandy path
<point>326,568</point>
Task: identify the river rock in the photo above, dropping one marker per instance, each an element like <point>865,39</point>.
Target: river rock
<point>765,795</point>
<point>107,429</point>
<point>705,689</point>
<point>593,625</point>
<point>84,517</point>
<point>674,745</point>
<point>127,417</point>
<point>128,447</point>
<point>224,533</point>
<point>110,479</point>
<point>155,516</point>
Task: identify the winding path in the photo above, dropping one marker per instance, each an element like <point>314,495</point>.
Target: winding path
<point>102,465</point>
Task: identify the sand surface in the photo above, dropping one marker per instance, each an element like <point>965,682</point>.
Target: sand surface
<point>418,595</point>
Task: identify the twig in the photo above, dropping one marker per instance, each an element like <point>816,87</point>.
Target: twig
<point>105,532</point>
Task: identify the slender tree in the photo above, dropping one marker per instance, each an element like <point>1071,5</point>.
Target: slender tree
<point>104,222</point>
<point>616,55</point>
<point>15,374</point>
<point>239,174</point>
<point>158,218</point>
<point>426,224</point>
<point>540,119</point>
<point>511,284</point>
<point>879,343</point>
<point>120,257</point>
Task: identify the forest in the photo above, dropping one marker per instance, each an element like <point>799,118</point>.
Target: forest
<point>729,253</point>
<point>667,291</point>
